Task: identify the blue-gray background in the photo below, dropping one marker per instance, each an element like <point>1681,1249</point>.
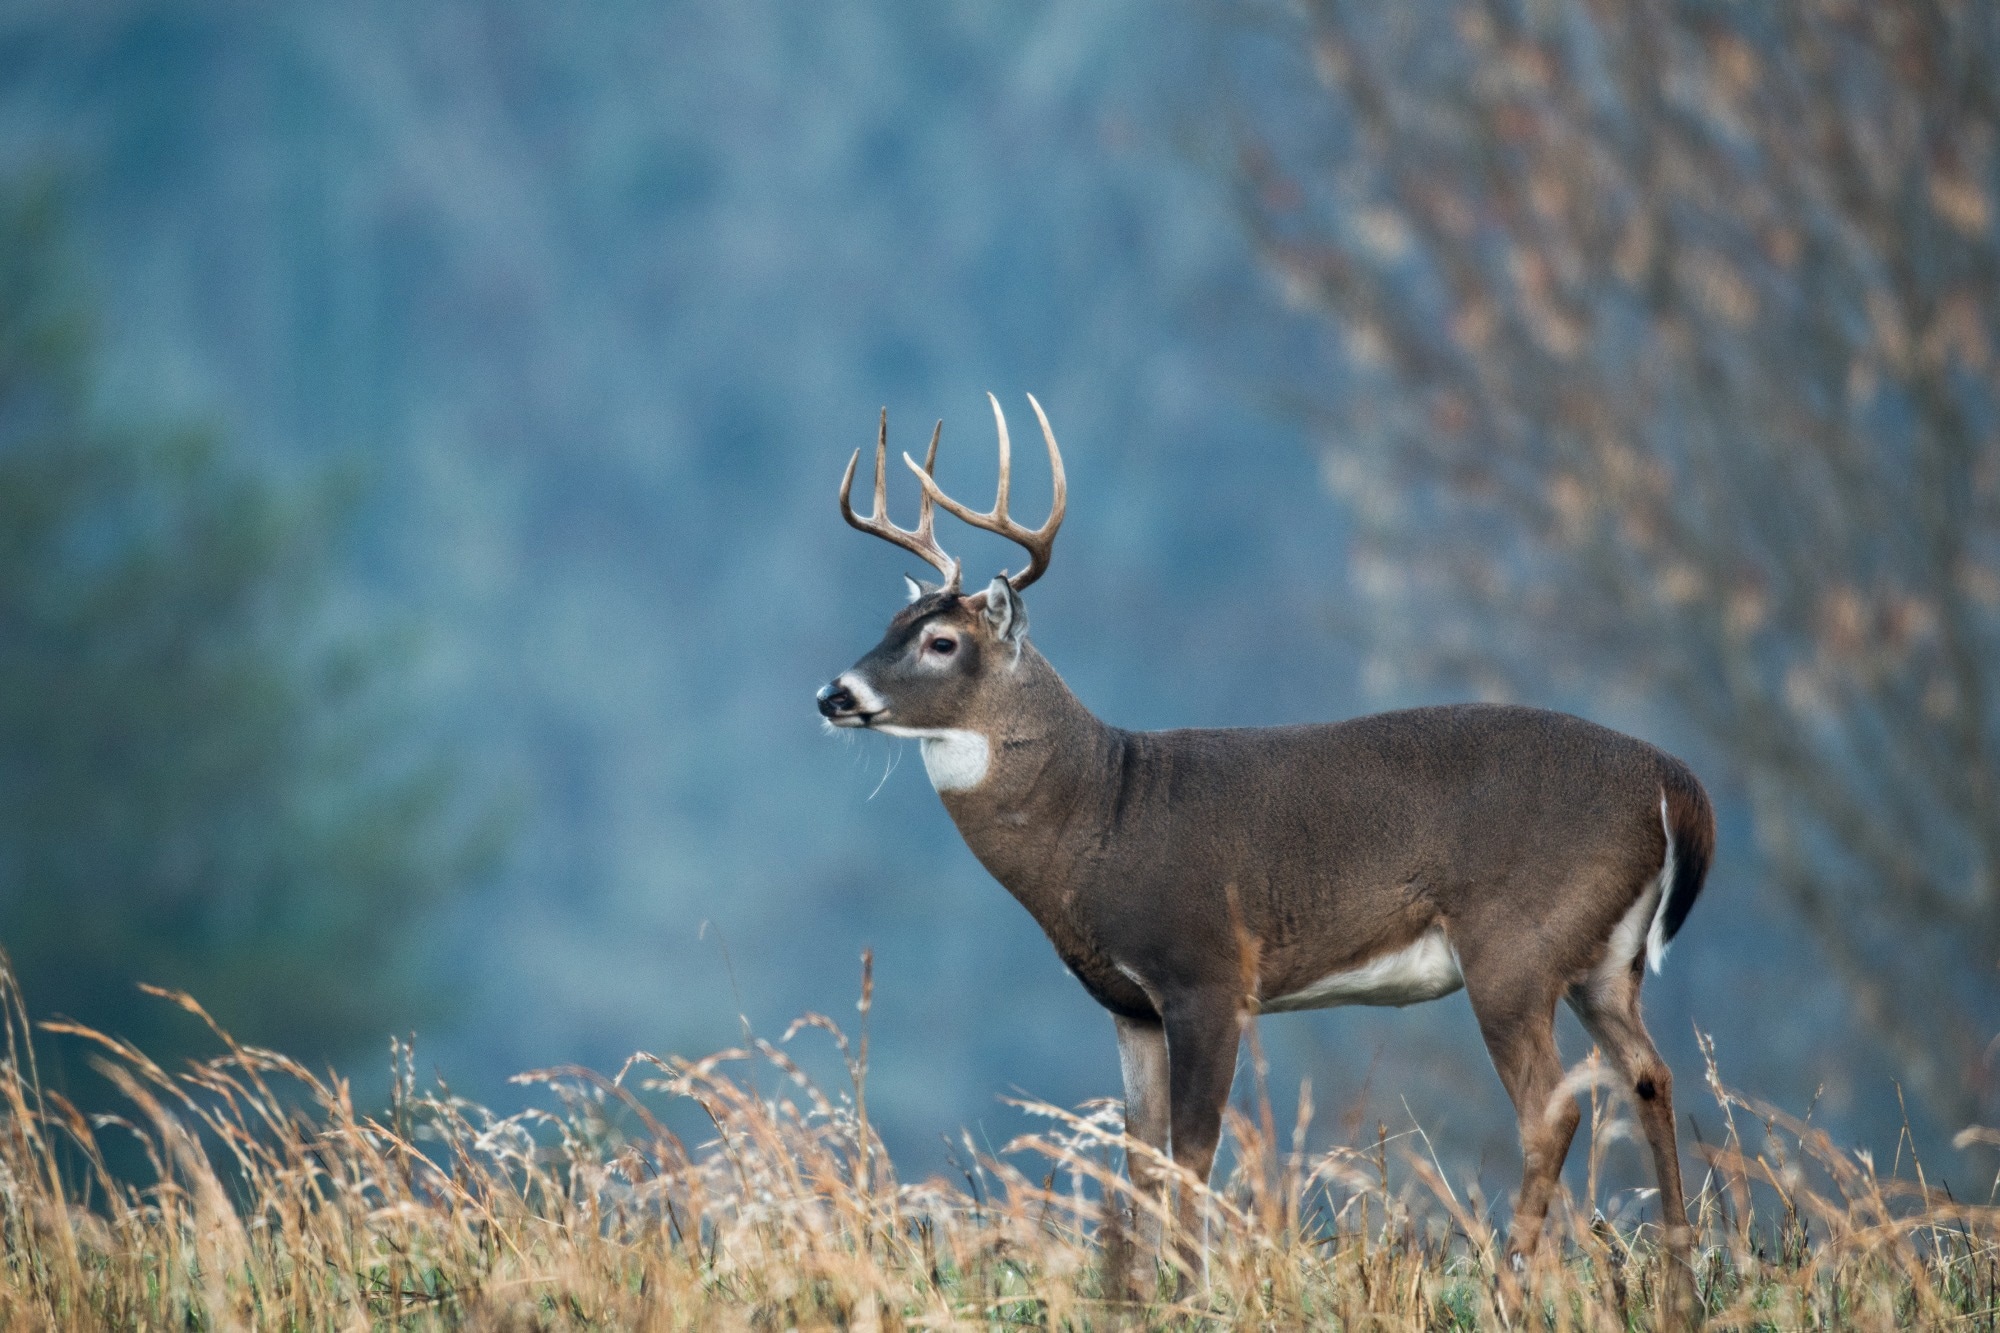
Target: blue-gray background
<point>600,299</point>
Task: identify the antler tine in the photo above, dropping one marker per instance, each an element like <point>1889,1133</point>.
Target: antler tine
<point>1038,542</point>
<point>1006,458</point>
<point>919,540</point>
<point>925,514</point>
<point>882,467</point>
<point>1045,536</point>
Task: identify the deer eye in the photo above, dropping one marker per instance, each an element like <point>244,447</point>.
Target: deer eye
<point>943,647</point>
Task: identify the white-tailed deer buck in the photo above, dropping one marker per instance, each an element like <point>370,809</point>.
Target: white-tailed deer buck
<point>1525,855</point>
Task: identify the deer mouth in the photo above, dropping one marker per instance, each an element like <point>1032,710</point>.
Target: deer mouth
<point>853,720</point>
<point>849,702</point>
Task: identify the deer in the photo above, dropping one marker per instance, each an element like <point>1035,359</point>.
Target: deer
<point>1190,879</point>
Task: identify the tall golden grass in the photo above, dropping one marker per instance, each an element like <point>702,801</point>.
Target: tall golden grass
<point>272,1202</point>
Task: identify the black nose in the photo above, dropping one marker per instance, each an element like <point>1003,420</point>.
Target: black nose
<point>835,700</point>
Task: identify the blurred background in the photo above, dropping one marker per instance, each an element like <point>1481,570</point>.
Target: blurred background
<point>419,430</point>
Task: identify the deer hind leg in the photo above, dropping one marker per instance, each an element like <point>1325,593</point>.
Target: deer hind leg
<point>1608,1006</point>
<point>1516,1014</point>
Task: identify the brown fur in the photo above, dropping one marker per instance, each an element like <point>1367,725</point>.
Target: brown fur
<point>1527,834</point>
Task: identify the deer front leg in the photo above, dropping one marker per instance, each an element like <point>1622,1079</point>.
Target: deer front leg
<point>1202,1031</point>
<point>1142,1058</point>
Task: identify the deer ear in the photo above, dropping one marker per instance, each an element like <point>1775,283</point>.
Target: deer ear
<point>1006,615</point>
<point>916,589</point>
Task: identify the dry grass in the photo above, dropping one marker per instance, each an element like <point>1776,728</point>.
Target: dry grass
<point>274,1203</point>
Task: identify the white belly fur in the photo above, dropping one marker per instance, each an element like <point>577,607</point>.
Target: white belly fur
<point>1424,969</point>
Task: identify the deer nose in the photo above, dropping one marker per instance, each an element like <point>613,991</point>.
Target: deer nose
<point>835,699</point>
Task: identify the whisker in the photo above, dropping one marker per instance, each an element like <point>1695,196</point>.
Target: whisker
<point>895,758</point>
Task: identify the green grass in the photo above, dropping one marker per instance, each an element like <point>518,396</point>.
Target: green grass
<point>273,1203</point>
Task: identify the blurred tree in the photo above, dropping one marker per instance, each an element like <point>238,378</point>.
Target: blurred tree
<point>1668,333</point>
<point>204,778</point>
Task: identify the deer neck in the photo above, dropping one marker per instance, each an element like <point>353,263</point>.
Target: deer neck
<point>1041,766</point>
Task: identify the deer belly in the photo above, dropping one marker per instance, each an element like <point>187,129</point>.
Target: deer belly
<point>1424,969</point>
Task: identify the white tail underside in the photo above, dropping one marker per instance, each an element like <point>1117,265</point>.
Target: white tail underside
<point>1656,936</point>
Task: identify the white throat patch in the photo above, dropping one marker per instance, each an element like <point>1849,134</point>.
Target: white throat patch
<point>956,760</point>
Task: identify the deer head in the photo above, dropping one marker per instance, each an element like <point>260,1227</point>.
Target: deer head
<point>948,659</point>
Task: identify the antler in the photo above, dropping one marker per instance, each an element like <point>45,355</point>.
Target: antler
<point>1038,541</point>
<point>919,539</point>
